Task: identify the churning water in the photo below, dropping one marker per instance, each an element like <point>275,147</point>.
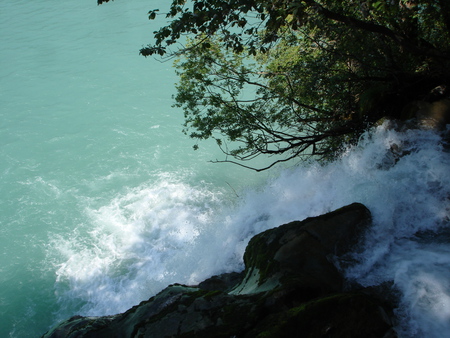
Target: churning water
<point>103,201</point>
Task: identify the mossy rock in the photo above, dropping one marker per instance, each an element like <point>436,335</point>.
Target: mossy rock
<point>291,289</point>
<point>339,316</point>
<point>224,282</point>
<point>303,251</point>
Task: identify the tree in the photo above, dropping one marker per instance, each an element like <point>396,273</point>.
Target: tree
<point>271,106</point>
<point>301,77</point>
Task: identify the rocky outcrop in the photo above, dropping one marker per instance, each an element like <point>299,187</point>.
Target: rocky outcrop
<point>303,253</point>
<point>291,287</point>
<point>429,115</point>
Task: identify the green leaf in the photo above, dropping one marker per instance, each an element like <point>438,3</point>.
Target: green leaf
<point>152,14</point>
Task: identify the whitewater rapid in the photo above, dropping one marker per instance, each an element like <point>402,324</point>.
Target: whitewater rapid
<point>170,231</point>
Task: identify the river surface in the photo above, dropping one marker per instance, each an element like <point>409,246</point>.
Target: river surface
<point>104,202</point>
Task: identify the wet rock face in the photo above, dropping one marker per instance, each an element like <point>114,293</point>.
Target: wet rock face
<point>302,253</point>
<point>429,115</point>
<point>290,287</point>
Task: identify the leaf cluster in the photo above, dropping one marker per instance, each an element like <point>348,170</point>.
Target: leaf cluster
<point>300,77</point>
<point>418,26</point>
<point>272,104</point>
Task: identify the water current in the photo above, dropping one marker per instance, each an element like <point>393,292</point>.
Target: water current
<point>103,201</point>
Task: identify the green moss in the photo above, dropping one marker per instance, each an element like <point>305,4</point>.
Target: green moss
<point>260,254</point>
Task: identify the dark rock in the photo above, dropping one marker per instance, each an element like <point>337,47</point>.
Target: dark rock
<point>224,282</point>
<point>177,310</point>
<point>291,288</point>
<point>302,253</point>
<point>339,315</point>
<point>429,115</point>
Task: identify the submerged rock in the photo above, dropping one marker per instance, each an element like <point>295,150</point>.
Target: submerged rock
<point>290,288</point>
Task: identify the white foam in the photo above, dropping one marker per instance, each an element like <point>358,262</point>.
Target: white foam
<point>133,246</point>
<point>170,231</point>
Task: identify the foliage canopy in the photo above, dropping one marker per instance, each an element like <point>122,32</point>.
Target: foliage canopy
<point>298,77</point>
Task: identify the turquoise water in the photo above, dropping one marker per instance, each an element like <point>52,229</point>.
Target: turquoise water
<point>84,119</point>
<point>103,201</point>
